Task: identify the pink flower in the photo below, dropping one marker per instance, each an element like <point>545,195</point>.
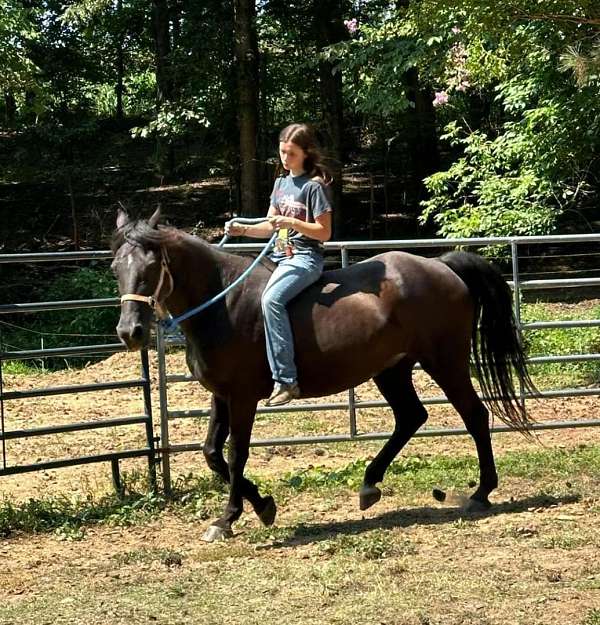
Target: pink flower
<point>456,30</point>
<point>351,25</point>
<point>441,98</point>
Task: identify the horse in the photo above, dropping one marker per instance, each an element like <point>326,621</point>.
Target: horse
<point>374,319</point>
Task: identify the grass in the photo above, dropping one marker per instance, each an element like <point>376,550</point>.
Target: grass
<point>201,497</point>
<point>562,341</point>
<point>593,618</point>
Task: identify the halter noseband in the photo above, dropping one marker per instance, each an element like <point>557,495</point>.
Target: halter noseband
<point>154,301</point>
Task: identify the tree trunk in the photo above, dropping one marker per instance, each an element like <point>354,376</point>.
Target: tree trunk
<point>164,81</point>
<point>330,29</point>
<point>10,108</point>
<point>246,56</point>
<point>424,142</point>
<point>120,60</point>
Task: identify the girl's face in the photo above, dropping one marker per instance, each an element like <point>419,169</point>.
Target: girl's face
<point>292,156</point>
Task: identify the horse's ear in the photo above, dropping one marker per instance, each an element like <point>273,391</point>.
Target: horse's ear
<point>122,218</point>
<point>155,218</point>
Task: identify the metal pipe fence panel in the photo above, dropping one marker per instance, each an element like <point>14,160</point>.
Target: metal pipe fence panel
<point>143,382</point>
<point>518,284</point>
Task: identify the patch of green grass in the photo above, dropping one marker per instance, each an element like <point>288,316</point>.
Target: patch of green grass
<point>19,367</point>
<point>593,618</point>
<point>566,541</point>
<point>168,557</point>
<point>67,516</point>
<point>201,496</point>
<point>374,545</point>
<point>562,341</point>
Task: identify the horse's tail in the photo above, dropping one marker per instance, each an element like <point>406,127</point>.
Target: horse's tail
<point>497,345</point>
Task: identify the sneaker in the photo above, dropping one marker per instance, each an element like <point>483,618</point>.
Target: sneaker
<point>283,394</point>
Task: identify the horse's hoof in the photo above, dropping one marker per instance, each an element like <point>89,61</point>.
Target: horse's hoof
<point>368,496</point>
<point>477,505</point>
<point>215,533</point>
<point>267,514</point>
<point>438,495</point>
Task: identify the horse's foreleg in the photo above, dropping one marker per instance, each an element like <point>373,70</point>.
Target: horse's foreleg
<point>395,384</point>
<point>218,431</point>
<point>236,420</point>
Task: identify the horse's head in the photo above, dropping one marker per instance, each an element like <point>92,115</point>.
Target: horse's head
<point>141,270</point>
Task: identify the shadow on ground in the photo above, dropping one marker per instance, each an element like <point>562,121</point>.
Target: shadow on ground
<point>306,534</point>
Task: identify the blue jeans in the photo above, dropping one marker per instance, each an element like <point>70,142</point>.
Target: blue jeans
<point>293,275</point>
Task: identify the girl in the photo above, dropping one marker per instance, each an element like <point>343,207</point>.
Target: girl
<point>301,212</point>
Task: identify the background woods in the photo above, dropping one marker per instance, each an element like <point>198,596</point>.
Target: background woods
<point>463,118</point>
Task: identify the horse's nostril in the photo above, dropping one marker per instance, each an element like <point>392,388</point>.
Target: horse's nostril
<point>137,332</point>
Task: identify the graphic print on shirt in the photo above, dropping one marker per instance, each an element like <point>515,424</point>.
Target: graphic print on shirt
<point>289,207</point>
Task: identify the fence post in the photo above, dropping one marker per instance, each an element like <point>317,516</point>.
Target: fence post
<point>514,252</point>
<point>164,410</point>
<point>351,396</point>
<point>145,366</point>
<point>2,403</point>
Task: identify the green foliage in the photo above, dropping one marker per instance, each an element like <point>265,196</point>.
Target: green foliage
<point>174,121</point>
<point>592,618</point>
<point>68,517</point>
<point>374,545</point>
<point>16,33</point>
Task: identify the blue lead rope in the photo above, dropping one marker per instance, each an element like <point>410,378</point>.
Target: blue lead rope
<point>170,323</point>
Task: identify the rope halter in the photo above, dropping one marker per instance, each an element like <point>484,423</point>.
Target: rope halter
<point>155,301</point>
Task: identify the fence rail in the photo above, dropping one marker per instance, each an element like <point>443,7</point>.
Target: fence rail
<point>351,406</point>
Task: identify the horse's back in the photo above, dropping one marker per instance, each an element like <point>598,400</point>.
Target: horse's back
<point>357,321</point>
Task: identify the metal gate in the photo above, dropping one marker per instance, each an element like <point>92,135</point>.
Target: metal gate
<point>6,398</point>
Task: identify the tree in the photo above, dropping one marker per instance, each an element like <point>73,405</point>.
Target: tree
<point>246,58</point>
<point>329,29</point>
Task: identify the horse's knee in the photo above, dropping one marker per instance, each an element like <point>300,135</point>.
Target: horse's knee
<point>420,416</point>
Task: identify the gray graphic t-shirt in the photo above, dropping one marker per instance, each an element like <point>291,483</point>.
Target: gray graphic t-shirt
<point>303,198</point>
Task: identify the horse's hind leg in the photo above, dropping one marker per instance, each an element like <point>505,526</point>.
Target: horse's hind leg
<point>218,431</point>
<point>456,383</point>
<point>395,384</point>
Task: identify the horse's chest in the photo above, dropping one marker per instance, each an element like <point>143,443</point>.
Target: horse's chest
<point>201,368</point>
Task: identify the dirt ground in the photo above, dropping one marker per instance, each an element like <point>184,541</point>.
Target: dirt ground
<point>533,560</point>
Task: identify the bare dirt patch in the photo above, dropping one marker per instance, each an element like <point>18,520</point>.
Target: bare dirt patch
<point>407,561</point>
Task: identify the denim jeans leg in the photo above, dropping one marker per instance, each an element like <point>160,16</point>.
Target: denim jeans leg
<point>292,276</point>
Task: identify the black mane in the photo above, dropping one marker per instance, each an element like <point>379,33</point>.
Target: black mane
<point>140,233</point>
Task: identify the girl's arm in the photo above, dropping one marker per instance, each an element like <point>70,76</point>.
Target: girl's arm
<point>320,230</point>
<point>262,230</point>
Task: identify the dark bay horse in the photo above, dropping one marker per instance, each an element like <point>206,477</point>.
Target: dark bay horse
<point>374,319</point>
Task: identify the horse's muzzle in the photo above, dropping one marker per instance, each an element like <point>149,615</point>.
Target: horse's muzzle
<point>133,336</point>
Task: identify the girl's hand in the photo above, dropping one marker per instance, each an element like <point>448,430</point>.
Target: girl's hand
<point>279,221</point>
<point>235,230</point>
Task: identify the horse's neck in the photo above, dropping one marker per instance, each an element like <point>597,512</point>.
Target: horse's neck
<point>200,272</point>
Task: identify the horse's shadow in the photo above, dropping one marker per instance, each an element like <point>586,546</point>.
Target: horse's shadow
<point>306,534</point>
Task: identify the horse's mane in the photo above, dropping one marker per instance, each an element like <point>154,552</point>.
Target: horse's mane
<point>141,233</point>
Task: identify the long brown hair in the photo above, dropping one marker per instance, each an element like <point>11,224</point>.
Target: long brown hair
<point>304,137</point>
